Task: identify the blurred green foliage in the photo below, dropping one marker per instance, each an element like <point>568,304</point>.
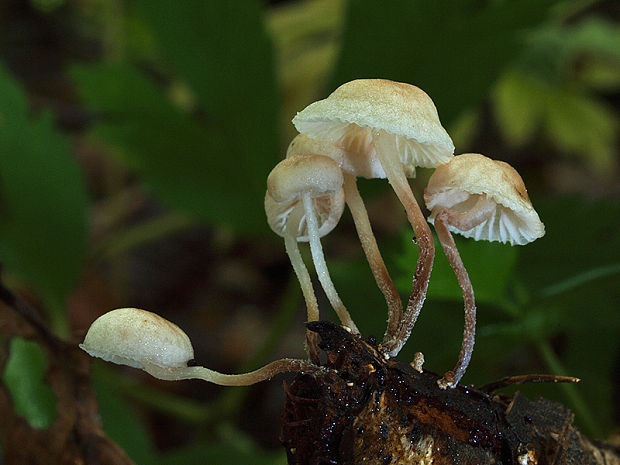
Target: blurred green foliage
<point>543,93</point>
<point>189,161</point>
<point>24,377</point>
<point>43,200</point>
<point>453,49</point>
<point>193,101</point>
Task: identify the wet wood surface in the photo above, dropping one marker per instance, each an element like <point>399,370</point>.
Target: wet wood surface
<point>363,409</point>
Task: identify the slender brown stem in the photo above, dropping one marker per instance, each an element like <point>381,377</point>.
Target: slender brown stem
<point>386,150</point>
<point>452,378</point>
<point>371,249</point>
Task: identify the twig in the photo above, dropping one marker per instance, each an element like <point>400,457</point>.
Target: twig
<point>26,311</point>
<point>523,379</point>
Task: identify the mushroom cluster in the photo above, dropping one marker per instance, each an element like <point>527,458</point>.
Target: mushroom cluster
<point>375,128</point>
<point>372,128</point>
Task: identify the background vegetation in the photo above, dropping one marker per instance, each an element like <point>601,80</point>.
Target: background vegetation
<point>135,140</point>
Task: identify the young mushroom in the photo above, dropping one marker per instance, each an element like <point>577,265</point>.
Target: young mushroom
<point>304,202</point>
<point>392,127</point>
<point>486,199</point>
<point>141,339</point>
<point>302,145</point>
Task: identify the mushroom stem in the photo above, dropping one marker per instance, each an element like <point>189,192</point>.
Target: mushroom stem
<point>268,371</point>
<point>292,250</point>
<point>452,378</point>
<point>321,267</point>
<point>385,147</point>
<point>369,245</point>
<point>469,219</point>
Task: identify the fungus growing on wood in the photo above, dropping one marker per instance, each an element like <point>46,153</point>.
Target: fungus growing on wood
<point>304,202</point>
<point>482,198</point>
<point>392,127</point>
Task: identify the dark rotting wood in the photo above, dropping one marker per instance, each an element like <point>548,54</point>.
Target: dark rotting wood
<point>368,410</point>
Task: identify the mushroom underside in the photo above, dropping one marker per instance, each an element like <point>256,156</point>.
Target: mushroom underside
<point>500,224</point>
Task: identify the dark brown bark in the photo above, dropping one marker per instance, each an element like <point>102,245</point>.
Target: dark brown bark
<point>372,411</point>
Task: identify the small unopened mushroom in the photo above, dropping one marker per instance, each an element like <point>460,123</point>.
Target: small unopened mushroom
<point>141,339</point>
<point>394,127</point>
<point>302,145</point>
<point>482,198</point>
<point>304,202</point>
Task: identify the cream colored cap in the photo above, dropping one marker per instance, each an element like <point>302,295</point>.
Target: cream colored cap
<point>130,336</point>
<point>351,160</point>
<point>358,108</point>
<point>317,175</point>
<point>304,146</point>
<point>458,184</point>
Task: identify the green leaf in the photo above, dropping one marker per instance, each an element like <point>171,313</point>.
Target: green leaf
<point>573,121</point>
<point>43,199</point>
<point>188,165</point>
<point>579,124</point>
<point>24,376</point>
<point>554,48</point>
<point>221,50</point>
<point>489,265</point>
<point>453,49</point>
<point>518,101</point>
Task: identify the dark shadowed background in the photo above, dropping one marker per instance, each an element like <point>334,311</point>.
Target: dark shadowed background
<point>135,141</point>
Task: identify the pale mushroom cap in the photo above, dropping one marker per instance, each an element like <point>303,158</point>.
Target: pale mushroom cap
<point>304,146</point>
<point>355,110</point>
<point>130,336</point>
<point>458,184</point>
<point>317,175</point>
<point>328,210</point>
<point>351,159</point>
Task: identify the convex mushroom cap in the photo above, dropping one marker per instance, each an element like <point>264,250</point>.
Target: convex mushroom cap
<point>133,337</point>
<point>461,183</point>
<point>317,175</point>
<point>303,146</point>
<point>355,110</point>
<point>141,339</point>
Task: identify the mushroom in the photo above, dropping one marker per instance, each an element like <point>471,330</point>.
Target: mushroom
<point>352,165</point>
<point>486,199</point>
<point>141,339</point>
<point>394,127</point>
<point>304,202</point>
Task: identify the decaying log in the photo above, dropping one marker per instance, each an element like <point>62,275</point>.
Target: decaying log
<point>365,410</point>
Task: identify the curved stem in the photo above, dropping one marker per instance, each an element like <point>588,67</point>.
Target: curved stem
<point>292,250</point>
<point>452,378</point>
<point>369,244</point>
<point>321,266</point>
<point>385,147</point>
<point>246,379</point>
